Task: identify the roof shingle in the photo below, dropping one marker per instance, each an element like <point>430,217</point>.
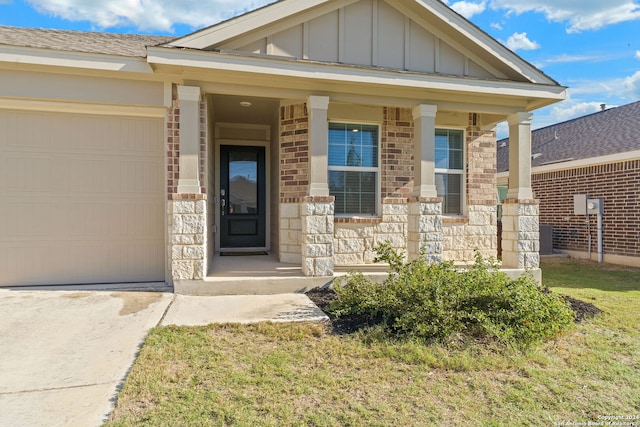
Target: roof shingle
<point>133,45</point>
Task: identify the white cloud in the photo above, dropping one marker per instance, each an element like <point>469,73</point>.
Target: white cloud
<point>469,9</point>
<point>580,15</point>
<point>519,41</point>
<point>146,15</point>
<point>496,25</point>
<point>632,86</point>
<point>637,54</point>
<point>569,110</point>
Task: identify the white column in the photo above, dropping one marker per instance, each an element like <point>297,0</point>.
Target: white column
<point>318,145</point>
<point>424,177</point>
<point>520,156</point>
<point>189,98</point>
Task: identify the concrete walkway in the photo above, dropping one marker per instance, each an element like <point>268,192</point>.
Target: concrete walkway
<point>188,310</point>
<point>64,354</point>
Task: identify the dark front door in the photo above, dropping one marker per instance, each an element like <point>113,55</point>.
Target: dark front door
<point>242,197</point>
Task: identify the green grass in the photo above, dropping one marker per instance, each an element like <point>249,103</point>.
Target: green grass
<point>297,374</point>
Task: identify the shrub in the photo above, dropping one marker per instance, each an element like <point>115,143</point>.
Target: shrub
<point>438,302</point>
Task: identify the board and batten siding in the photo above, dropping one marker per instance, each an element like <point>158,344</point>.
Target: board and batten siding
<point>369,33</point>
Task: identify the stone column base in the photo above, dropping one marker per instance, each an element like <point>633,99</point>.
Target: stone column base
<point>188,239</point>
<point>425,228</point>
<point>316,213</point>
<point>520,234</point>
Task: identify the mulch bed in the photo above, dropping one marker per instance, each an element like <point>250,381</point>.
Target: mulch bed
<point>322,297</point>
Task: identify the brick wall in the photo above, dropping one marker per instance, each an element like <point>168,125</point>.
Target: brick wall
<point>294,153</point>
<point>396,141</point>
<point>481,164</point>
<point>618,184</point>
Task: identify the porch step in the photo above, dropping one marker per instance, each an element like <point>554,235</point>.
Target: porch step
<point>259,285</point>
<point>249,285</point>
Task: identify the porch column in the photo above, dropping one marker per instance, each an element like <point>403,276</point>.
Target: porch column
<point>189,181</point>
<point>520,223</point>
<point>317,209</point>
<point>425,208</point>
<point>424,176</point>
<point>319,145</point>
<point>520,156</point>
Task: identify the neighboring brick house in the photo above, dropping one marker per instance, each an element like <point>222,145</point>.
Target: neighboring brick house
<point>311,129</point>
<point>598,155</point>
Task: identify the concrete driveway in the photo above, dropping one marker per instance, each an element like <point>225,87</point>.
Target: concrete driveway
<point>63,354</point>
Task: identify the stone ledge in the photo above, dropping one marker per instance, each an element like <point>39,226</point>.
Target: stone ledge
<point>419,199</point>
<point>318,199</point>
<point>356,220</point>
<point>448,220</point>
<point>521,201</point>
<point>187,196</point>
<point>395,200</point>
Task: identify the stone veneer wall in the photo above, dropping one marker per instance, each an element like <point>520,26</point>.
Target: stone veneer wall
<point>316,213</point>
<point>520,234</point>
<point>187,213</point>
<point>355,239</point>
<point>477,230</point>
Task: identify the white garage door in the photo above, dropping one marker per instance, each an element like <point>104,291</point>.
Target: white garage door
<point>81,199</point>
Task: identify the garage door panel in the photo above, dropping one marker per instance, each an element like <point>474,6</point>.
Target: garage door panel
<point>83,199</point>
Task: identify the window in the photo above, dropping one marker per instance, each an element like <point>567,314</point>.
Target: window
<point>353,168</point>
<point>450,169</point>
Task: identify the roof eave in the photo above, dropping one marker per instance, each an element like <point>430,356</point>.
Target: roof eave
<point>533,95</point>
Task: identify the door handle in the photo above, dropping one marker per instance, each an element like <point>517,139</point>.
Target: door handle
<point>223,205</point>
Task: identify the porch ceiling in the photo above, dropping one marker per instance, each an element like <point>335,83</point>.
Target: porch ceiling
<point>228,109</point>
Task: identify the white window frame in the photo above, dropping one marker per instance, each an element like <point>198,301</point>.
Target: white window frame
<point>462,172</point>
<point>377,170</point>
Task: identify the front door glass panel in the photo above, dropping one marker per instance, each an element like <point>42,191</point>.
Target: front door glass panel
<point>243,182</point>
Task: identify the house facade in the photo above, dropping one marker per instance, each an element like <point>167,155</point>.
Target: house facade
<point>310,129</point>
<point>596,155</point>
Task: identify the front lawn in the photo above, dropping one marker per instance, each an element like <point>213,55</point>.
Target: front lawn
<point>300,374</point>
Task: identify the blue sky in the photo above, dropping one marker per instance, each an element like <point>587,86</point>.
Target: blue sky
<point>591,46</point>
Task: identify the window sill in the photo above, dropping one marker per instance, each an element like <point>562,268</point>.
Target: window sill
<point>357,220</point>
<point>454,220</point>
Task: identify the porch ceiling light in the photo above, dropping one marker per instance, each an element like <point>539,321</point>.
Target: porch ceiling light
<point>245,104</point>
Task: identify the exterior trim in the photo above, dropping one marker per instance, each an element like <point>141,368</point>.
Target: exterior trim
<point>80,108</point>
<point>348,74</point>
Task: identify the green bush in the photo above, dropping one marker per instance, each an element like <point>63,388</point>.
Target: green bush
<point>438,302</point>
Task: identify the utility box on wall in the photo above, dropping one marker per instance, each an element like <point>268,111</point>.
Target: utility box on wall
<point>580,204</point>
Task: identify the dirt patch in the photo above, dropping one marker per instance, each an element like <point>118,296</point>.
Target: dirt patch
<point>582,309</point>
<point>322,297</point>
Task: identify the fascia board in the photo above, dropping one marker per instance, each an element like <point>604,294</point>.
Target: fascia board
<point>56,58</point>
<point>349,74</point>
<point>589,161</point>
<point>486,42</point>
<point>581,163</point>
<point>245,23</point>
